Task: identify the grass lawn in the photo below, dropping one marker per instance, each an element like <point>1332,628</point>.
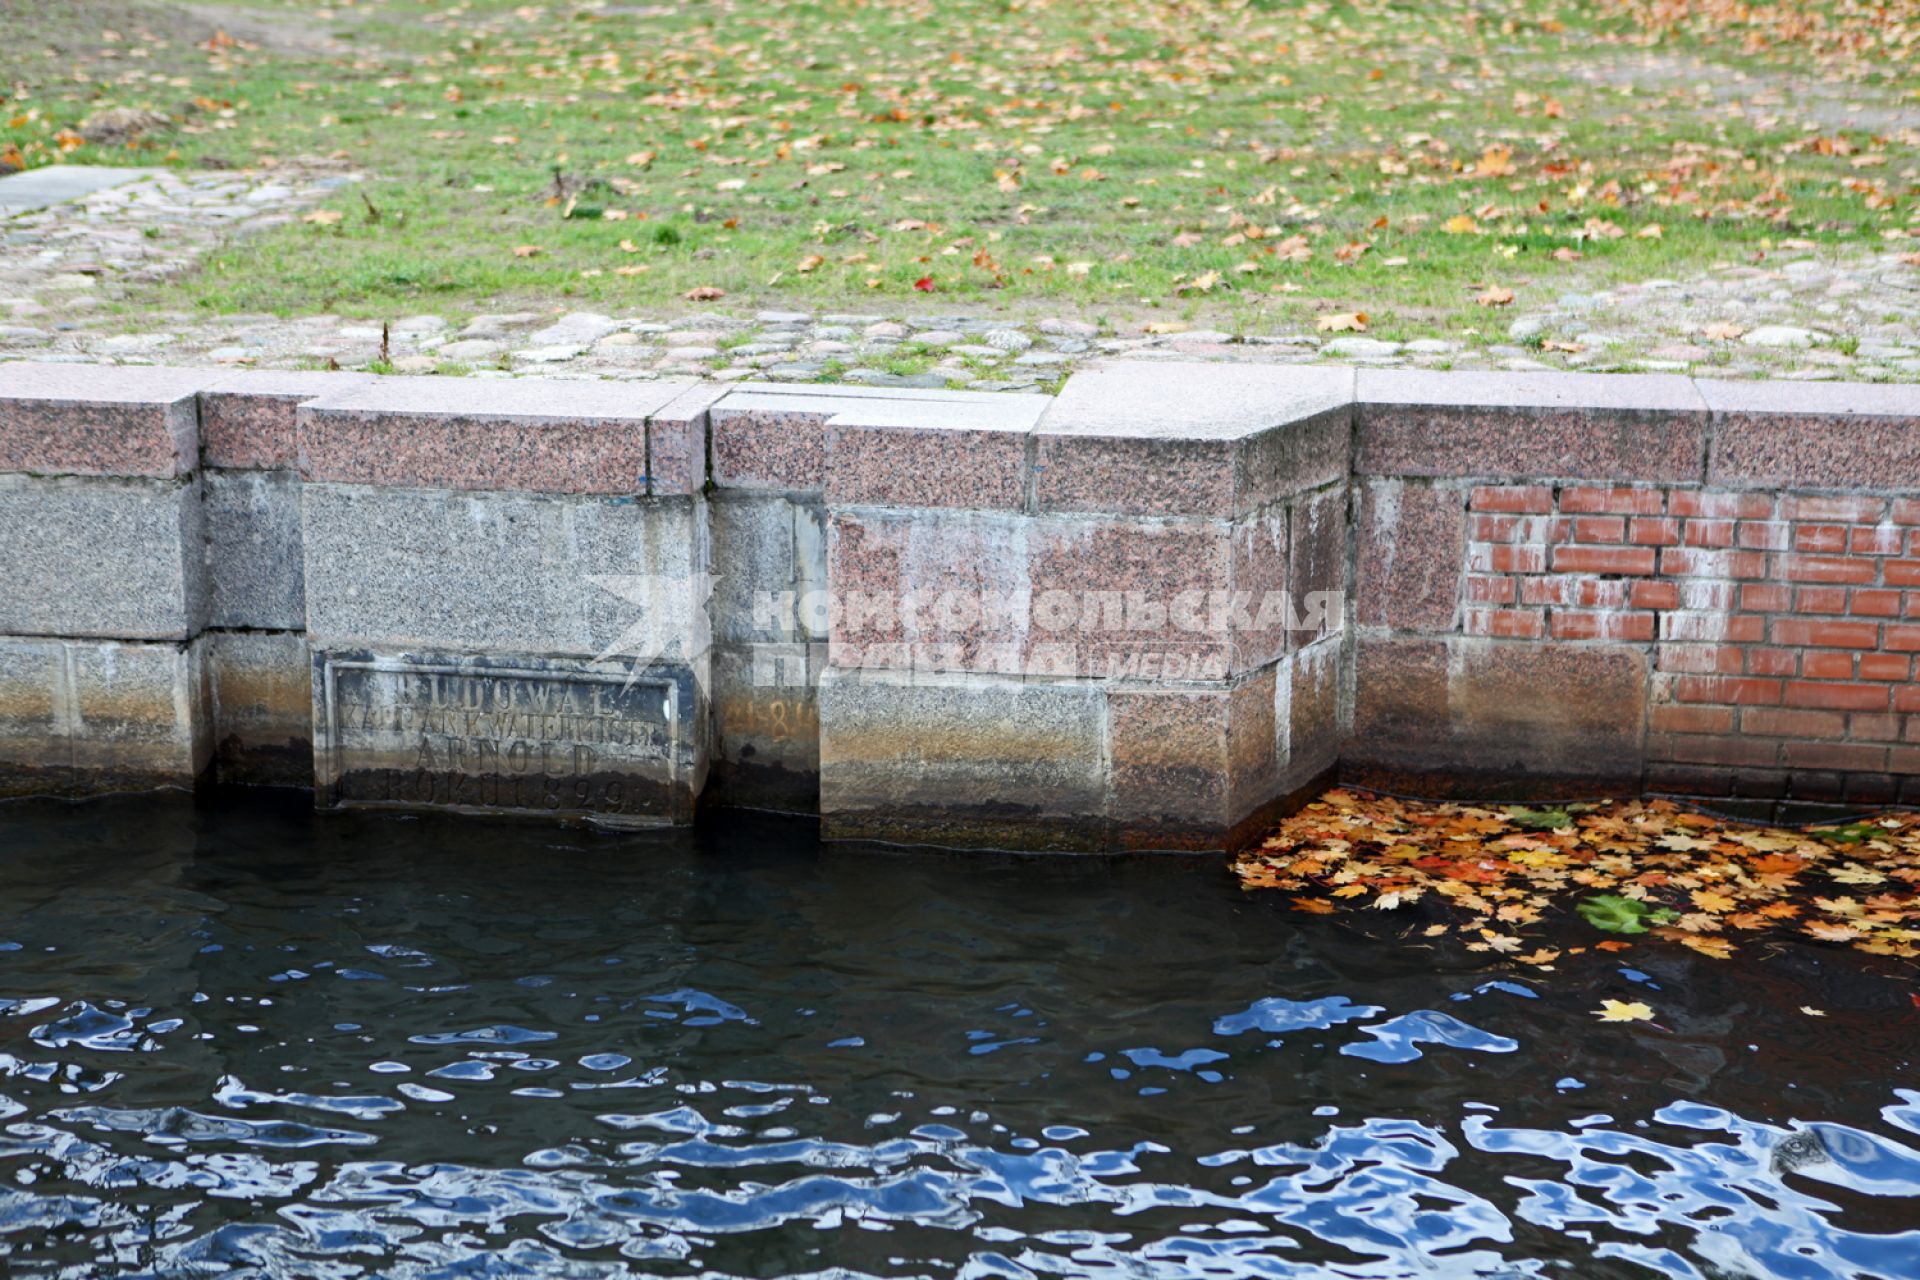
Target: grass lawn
<point>1263,162</point>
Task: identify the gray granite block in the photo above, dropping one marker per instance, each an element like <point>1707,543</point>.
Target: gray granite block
<point>102,558</point>
<point>84,717</point>
<point>262,697</point>
<point>519,573</point>
<point>255,566</point>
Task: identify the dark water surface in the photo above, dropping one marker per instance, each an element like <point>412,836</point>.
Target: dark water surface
<point>250,1042</point>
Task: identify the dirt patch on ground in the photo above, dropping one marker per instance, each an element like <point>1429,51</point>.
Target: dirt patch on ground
<point>1829,104</point>
<point>100,38</point>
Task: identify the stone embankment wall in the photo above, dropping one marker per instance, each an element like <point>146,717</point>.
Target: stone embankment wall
<point>1147,613</point>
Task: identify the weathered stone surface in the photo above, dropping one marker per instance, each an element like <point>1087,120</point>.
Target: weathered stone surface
<point>52,184</point>
<point>1620,427</point>
<point>677,441</point>
<point>1311,725</point>
<point>766,726</point>
<point>1319,541</point>
<point>1815,435</point>
<point>262,696</point>
<point>513,573</point>
<point>1167,438</point>
<point>1410,549</point>
<point>89,716</point>
<point>765,441</point>
<point>936,453</point>
<point>1494,720</point>
<point>101,558</point>
<point>99,420</point>
<point>769,560</point>
<point>492,434</point>
<point>255,566</point>
<point>963,761</point>
<point>507,733</point>
<point>248,419</point>
<point>1192,769</point>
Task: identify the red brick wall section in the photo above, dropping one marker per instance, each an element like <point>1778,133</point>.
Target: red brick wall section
<point>1785,628</point>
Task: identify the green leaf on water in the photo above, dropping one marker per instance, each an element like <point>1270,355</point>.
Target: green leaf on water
<point>1614,914</point>
<point>1854,833</point>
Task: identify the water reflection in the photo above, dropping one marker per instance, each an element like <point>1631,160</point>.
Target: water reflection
<point>252,1044</point>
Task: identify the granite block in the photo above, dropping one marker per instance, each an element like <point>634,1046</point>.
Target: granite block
<point>1192,769</point>
<point>775,442</point>
<point>756,585</point>
<point>677,440</point>
<point>766,726</point>
<point>102,558</point>
<point>262,698</point>
<point>1318,543</point>
<point>1410,551</point>
<point>99,420</point>
<point>1817,435</point>
<point>512,733</point>
<point>248,420</point>
<point>1259,613</point>
<point>1497,721</point>
<point>484,572</point>
<point>1170,438</point>
<point>1310,716</point>
<point>931,453</point>
<point>255,563</point>
<point>84,717</point>
<point>947,589</point>
<point>1618,427</point>
<point>543,436</point>
<point>963,761</point>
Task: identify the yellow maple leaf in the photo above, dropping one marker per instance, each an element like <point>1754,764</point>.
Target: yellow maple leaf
<point>1623,1011</point>
<point>1460,225</point>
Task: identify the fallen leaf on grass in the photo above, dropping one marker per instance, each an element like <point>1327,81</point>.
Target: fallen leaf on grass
<point>1722,331</point>
<point>324,217</point>
<point>527,251</point>
<point>704,293</point>
<point>1495,296</point>
<point>1345,322</point>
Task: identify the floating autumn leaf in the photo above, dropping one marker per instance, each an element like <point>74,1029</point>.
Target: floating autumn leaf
<point>1495,296</point>
<point>1722,331</point>
<point>1623,1011</point>
<point>527,251</point>
<point>704,293</point>
<point>1343,322</point>
<point>324,217</point>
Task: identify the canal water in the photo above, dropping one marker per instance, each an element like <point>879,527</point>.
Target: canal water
<point>252,1042</point>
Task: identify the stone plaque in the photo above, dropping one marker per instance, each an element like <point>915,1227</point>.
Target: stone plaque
<point>541,736</point>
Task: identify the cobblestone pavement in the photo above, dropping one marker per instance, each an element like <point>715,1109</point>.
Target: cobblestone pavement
<point>64,271</point>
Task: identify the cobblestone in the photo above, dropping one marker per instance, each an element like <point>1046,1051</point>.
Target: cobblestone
<point>66,272</point>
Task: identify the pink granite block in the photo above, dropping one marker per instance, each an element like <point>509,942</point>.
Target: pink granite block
<point>947,591</point>
<point>677,441</point>
<point>1814,434</point>
<point>1317,566</point>
<point>1545,426</point>
<point>248,419</point>
<point>1410,552</point>
<point>490,434</point>
<point>769,442</point>
<point>1259,609</point>
<point>99,420</point>
<point>931,453</point>
<point>1171,438</point>
<point>1131,599</point>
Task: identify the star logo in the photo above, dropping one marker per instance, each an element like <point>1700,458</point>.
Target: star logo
<point>672,619</point>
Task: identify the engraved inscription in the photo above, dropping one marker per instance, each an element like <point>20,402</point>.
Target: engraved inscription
<point>465,736</point>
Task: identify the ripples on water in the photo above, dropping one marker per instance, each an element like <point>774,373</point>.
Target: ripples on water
<point>249,1043</point>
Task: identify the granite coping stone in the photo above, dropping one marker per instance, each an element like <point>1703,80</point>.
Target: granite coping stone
<point>248,420</point>
<point>1623,427</point>
<point>677,440</point>
<point>546,436</point>
<point>100,420</point>
<point>1814,435</point>
<point>1171,438</point>
<point>932,453</point>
